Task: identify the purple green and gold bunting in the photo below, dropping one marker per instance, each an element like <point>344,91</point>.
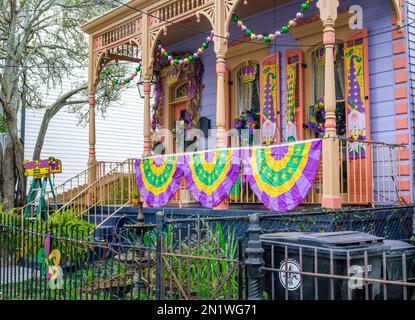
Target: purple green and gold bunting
<point>281,176</point>
<point>210,175</point>
<point>158,178</point>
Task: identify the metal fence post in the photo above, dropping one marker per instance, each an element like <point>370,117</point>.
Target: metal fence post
<point>254,260</point>
<point>159,262</point>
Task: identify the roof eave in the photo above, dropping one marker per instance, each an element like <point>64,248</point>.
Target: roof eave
<point>115,14</point>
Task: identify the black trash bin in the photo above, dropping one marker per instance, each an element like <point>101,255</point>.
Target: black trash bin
<point>399,265</point>
<point>333,253</point>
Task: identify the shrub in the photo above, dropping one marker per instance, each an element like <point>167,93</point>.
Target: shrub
<point>69,235</point>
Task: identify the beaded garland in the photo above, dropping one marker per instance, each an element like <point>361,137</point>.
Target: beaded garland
<point>189,59</point>
<point>119,81</point>
<point>277,34</point>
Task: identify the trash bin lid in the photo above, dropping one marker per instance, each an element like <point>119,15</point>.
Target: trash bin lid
<point>326,239</point>
<point>396,245</point>
<point>342,239</point>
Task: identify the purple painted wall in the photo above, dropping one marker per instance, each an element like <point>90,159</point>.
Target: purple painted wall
<point>377,19</point>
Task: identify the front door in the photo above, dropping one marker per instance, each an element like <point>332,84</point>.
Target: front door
<point>178,114</point>
<point>179,111</point>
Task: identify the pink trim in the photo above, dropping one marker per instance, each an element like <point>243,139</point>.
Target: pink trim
<point>404,185</point>
<point>138,25</point>
<point>406,198</point>
<point>401,93</point>
<point>401,124</point>
<point>331,202</point>
<point>271,60</point>
<point>92,101</point>
<point>147,144</point>
<point>154,18</point>
<point>399,63</point>
<point>220,68</point>
<point>147,87</point>
<point>97,42</point>
<point>401,76</point>
<point>404,169</point>
<point>329,37</point>
<point>330,123</point>
<point>399,48</point>
<point>401,108</point>
<point>299,116</point>
<point>224,205</point>
<point>398,34</point>
<point>402,138</point>
<point>403,154</point>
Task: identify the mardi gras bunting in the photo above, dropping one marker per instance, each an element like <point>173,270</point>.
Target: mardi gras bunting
<point>281,176</point>
<point>158,178</point>
<point>210,175</point>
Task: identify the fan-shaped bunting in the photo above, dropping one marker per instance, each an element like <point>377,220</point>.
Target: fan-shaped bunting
<point>158,178</point>
<point>281,176</point>
<point>210,175</point>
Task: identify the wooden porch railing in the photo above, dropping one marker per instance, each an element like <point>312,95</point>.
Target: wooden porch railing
<point>369,177</point>
<point>106,196</point>
<point>366,178</point>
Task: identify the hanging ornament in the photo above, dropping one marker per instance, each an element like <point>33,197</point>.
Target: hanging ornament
<point>120,81</point>
<point>278,33</point>
<point>187,59</point>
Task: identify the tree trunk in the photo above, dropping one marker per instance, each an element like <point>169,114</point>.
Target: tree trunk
<point>41,136</point>
<point>18,170</point>
<point>1,174</point>
<point>9,177</point>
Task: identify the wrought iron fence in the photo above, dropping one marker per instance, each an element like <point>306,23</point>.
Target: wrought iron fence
<point>39,261</point>
<point>203,258</point>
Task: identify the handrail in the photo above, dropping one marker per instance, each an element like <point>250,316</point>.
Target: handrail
<point>112,214</point>
<point>98,199</point>
<point>87,189</point>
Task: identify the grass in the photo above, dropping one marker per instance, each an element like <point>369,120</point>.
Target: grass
<point>203,266</point>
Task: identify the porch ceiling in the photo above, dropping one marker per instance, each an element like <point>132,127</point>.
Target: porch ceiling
<point>185,30</point>
<point>260,5</point>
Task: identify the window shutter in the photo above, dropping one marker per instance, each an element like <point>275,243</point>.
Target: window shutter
<point>270,99</point>
<point>294,103</point>
<point>359,157</point>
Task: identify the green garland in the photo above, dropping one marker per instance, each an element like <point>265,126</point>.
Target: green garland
<point>120,81</point>
<point>277,34</point>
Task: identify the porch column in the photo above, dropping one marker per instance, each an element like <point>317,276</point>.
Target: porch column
<point>221,134</point>
<point>147,141</point>
<point>331,166</point>
<point>92,174</point>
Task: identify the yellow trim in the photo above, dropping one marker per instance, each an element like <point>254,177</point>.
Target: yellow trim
<point>280,164</point>
<point>210,189</point>
<point>157,190</point>
<point>209,166</point>
<point>277,191</point>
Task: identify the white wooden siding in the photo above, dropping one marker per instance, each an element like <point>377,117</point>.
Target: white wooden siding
<point>118,136</point>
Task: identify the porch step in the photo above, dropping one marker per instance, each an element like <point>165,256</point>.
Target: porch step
<point>128,211</point>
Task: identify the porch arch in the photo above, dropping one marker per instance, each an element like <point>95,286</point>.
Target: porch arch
<point>200,16</point>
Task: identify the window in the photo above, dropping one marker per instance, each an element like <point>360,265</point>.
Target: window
<point>248,89</point>
<point>318,58</point>
<point>182,91</point>
<point>318,62</point>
